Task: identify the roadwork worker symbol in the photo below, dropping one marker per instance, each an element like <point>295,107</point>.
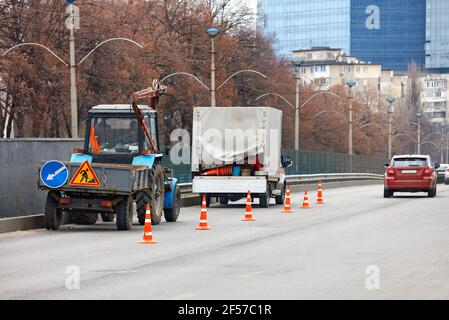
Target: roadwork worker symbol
<point>85,176</point>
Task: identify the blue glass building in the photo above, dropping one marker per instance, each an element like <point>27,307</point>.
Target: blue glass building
<point>389,32</point>
<point>437,36</point>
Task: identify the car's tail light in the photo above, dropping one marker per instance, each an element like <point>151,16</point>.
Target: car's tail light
<point>447,170</point>
<point>427,171</point>
<point>390,172</point>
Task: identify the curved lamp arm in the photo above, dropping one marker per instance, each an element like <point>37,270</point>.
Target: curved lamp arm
<point>185,74</point>
<point>36,45</point>
<point>335,112</point>
<point>372,124</point>
<point>238,72</point>
<point>434,133</point>
<point>320,93</point>
<point>109,40</point>
<point>405,135</point>
<point>428,142</point>
<point>276,95</point>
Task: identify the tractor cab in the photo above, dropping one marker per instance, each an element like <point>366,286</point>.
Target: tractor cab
<point>113,134</point>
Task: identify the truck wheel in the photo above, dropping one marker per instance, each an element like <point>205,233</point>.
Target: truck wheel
<point>157,192</point>
<point>264,200</point>
<point>224,201</point>
<point>84,218</point>
<point>53,214</point>
<point>124,213</point>
<point>107,217</point>
<point>281,199</point>
<point>172,214</point>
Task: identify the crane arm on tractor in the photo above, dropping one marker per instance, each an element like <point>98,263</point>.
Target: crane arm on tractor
<point>152,93</point>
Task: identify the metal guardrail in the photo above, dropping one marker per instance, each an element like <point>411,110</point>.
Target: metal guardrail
<point>312,178</point>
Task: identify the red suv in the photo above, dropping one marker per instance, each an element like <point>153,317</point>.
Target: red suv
<point>410,173</point>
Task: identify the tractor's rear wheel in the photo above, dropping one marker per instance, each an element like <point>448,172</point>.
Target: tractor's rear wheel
<point>154,195</point>
<point>53,214</point>
<point>172,214</point>
<point>124,214</point>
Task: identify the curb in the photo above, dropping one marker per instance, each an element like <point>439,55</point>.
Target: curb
<point>37,221</point>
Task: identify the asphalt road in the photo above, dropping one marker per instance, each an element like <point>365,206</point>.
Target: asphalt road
<point>321,253</point>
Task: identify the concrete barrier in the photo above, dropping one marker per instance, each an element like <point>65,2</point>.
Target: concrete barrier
<point>188,199</point>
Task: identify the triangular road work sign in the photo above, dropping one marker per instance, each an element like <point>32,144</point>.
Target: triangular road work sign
<point>85,176</point>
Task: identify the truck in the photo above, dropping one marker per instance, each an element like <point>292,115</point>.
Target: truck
<point>236,150</point>
<point>119,165</point>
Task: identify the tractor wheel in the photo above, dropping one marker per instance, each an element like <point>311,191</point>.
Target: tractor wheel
<point>84,218</point>
<point>154,195</point>
<point>53,214</point>
<point>124,214</point>
<point>107,217</point>
<point>172,214</point>
<point>142,199</point>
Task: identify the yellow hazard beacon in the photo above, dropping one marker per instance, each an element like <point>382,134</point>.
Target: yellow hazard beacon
<point>85,176</point>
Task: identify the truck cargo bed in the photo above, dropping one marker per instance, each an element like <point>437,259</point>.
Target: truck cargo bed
<point>114,178</point>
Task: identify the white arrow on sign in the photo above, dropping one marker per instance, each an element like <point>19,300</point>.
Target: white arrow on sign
<point>53,175</point>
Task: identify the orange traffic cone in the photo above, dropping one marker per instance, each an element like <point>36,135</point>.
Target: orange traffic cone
<point>287,203</point>
<point>305,204</point>
<point>203,218</point>
<point>319,199</point>
<point>148,229</point>
<point>222,171</point>
<point>249,209</point>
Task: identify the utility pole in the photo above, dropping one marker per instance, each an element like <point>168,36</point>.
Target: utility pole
<point>442,126</point>
<point>419,116</point>
<point>350,84</point>
<point>390,100</point>
<point>297,64</point>
<point>72,23</point>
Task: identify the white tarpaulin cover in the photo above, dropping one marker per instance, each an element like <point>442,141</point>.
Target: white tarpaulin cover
<point>232,134</point>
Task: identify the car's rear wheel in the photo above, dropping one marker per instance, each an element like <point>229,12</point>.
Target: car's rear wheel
<point>388,193</point>
<point>432,193</point>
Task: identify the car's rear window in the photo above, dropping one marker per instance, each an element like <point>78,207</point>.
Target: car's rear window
<point>409,162</point>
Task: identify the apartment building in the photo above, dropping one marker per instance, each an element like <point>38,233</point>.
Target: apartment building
<point>434,98</point>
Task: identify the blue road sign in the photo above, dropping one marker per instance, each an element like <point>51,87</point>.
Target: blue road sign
<point>70,1</point>
<point>54,174</point>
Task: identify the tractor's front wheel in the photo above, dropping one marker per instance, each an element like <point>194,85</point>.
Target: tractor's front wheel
<point>172,214</point>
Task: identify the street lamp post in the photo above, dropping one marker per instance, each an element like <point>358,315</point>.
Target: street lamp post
<point>390,100</point>
<point>350,84</point>
<point>442,126</point>
<point>419,116</point>
<point>297,64</point>
<point>212,32</point>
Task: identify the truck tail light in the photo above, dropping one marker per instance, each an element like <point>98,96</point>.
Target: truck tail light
<point>64,201</point>
<point>78,150</point>
<point>106,203</point>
